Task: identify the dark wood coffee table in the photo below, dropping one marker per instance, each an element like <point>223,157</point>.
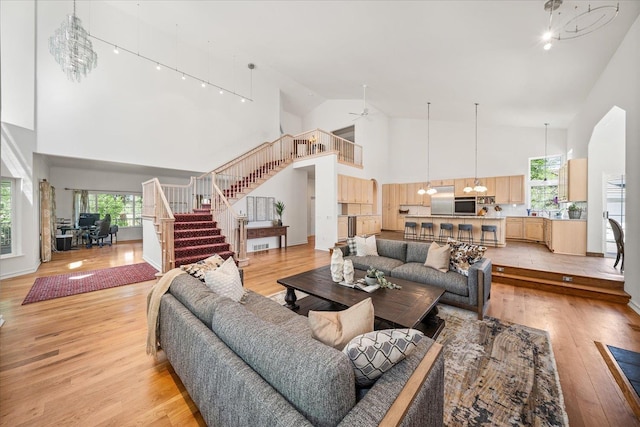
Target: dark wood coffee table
<point>413,306</point>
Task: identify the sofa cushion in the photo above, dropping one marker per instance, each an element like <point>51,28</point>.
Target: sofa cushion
<point>225,281</point>
<point>353,248</point>
<point>374,353</point>
<point>337,328</point>
<point>395,249</point>
<point>417,252</point>
<point>194,295</point>
<point>317,379</point>
<point>463,255</point>
<point>451,281</point>
<point>366,246</point>
<point>438,257</point>
<point>200,268</point>
<point>382,263</point>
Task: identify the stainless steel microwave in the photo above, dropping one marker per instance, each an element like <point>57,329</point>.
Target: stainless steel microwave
<point>464,206</point>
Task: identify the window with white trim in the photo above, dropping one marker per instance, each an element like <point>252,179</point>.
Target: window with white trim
<point>7,216</point>
<point>125,208</point>
<point>543,182</point>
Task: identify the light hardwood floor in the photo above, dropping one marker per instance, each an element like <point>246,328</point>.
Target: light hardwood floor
<point>81,360</point>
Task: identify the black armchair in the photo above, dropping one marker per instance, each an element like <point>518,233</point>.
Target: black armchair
<point>618,234</point>
<point>100,233</point>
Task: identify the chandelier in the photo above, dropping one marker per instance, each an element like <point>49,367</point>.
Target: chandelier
<point>430,190</point>
<point>477,186</point>
<point>582,23</point>
<point>72,49</point>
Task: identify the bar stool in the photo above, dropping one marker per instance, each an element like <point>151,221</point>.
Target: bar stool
<point>426,231</point>
<point>410,230</point>
<point>465,233</point>
<point>489,229</point>
<point>446,230</point>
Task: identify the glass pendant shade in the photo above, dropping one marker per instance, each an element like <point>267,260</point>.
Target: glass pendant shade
<point>431,191</point>
<point>467,189</point>
<point>422,191</point>
<point>72,49</point>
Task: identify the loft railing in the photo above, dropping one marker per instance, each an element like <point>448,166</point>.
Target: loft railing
<point>155,206</point>
<point>235,177</point>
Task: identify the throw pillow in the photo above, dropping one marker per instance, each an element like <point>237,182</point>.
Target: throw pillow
<point>366,246</point>
<point>438,257</point>
<point>374,353</point>
<point>353,248</point>
<point>463,255</point>
<point>200,268</point>
<point>337,328</point>
<point>225,281</point>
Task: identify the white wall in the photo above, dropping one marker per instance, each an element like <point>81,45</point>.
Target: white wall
<point>17,47</point>
<point>18,145</point>
<point>619,86</point>
<point>501,150</point>
<point>290,186</point>
<point>606,158</point>
<point>125,109</point>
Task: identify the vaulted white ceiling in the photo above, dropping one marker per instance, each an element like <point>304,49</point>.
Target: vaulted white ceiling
<point>451,53</point>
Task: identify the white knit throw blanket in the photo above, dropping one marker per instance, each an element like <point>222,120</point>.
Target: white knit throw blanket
<point>153,308</point>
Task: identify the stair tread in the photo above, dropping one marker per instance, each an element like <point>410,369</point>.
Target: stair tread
<point>561,284</point>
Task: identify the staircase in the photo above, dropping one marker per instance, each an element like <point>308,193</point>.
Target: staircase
<point>196,237</point>
<point>611,290</point>
<point>254,179</point>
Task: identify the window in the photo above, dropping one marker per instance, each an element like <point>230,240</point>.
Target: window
<point>125,209</point>
<point>7,214</point>
<point>543,183</point>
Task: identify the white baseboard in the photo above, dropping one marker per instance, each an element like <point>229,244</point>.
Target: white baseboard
<point>19,273</point>
<point>152,263</point>
<point>634,306</point>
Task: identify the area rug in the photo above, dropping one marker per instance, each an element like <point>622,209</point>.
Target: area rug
<point>498,373</point>
<point>63,285</point>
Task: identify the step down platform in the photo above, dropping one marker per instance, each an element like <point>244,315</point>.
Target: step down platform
<point>611,290</point>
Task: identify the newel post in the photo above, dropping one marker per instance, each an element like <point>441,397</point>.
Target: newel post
<point>242,240</point>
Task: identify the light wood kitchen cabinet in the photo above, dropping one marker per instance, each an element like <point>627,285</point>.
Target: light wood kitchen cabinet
<point>509,189</point>
<point>413,198</point>
<point>367,191</point>
<point>572,181</point>
<point>343,228</point>
<point>442,182</point>
<point>343,189</point>
<point>548,232</point>
<point>568,237</point>
<point>534,229</point>
<point>369,224</point>
<point>401,194</point>
<point>390,206</point>
<point>490,183</point>
<point>460,184</point>
<point>515,228</point>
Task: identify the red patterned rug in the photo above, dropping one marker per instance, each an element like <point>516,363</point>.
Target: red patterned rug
<point>45,288</point>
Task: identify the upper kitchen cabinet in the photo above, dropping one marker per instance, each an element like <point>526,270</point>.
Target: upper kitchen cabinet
<point>572,181</point>
<point>460,184</point>
<point>442,182</point>
<point>490,183</point>
<point>509,189</point>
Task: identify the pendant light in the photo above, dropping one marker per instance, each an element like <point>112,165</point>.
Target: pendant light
<point>430,190</point>
<point>477,186</point>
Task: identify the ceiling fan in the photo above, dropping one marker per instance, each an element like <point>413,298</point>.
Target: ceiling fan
<point>365,110</point>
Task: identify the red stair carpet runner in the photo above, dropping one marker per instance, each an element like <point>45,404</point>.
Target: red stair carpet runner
<point>196,237</point>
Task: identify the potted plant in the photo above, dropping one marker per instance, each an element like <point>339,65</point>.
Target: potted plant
<point>574,211</point>
<point>279,206</point>
<point>372,276</point>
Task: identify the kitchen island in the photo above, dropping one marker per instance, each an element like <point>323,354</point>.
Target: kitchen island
<point>475,221</point>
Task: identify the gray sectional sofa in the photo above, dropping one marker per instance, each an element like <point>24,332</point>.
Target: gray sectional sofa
<point>256,364</point>
<point>405,260</point>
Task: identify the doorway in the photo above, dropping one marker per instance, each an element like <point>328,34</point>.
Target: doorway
<point>615,194</point>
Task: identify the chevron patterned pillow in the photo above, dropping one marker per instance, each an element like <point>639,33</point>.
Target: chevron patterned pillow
<point>374,353</point>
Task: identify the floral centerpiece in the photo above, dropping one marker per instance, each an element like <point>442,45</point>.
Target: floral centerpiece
<point>376,275</point>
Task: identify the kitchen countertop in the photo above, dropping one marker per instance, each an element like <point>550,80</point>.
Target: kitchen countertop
<point>544,217</point>
<point>456,216</point>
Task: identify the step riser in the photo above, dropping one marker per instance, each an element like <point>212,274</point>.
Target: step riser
<point>192,259</point>
<point>197,241</point>
<point>594,294</point>
<point>534,275</point>
<point>194,225</point>
<point>197,217</point>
